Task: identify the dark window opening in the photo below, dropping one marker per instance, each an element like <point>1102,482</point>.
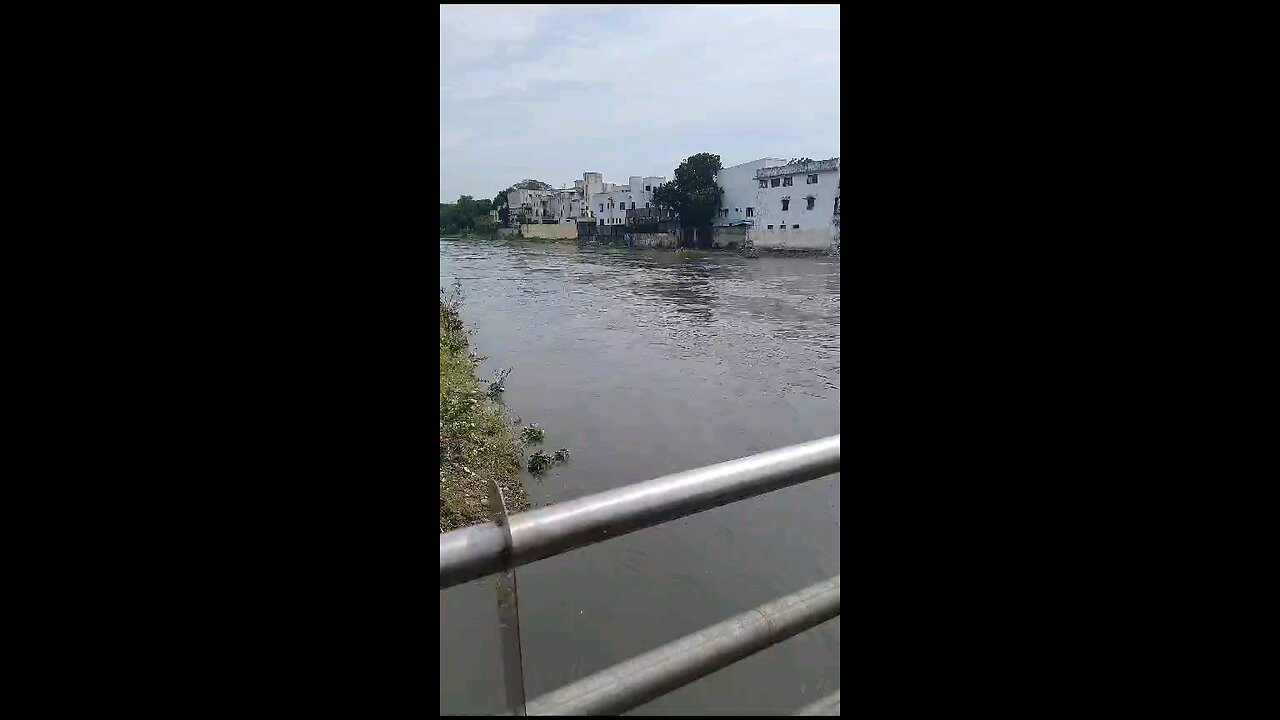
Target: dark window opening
<point>775,182</point>
<point>646,188</point>
<point>795,227</point>
<point>811,180</point>
<point>785,204</point>
<point>810,199</point>
<point>786,180</point>
<point>764,183</point>
<point>770,227</point>
<point>751,211</point>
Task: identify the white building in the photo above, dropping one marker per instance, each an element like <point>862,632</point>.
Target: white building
<point>566,204</point>
<point>797,205</point>
<point>535,204</point>
<point>610,205</point>
<point>739,201</point>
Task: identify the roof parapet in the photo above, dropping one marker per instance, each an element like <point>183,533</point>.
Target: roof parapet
<point>797,168</point>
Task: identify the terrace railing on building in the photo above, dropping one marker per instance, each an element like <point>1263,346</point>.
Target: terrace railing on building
<point>509,542</point>
<point>648,215</point>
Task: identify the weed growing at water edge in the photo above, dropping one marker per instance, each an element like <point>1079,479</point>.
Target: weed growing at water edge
<point>542,460</point>
<point>498,385</point>
<point>539,462</point>
<point>532,434</point>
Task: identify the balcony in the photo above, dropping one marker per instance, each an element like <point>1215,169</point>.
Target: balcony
<point>638,216</point>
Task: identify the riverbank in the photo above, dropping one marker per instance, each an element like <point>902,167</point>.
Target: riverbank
<point>476,442</point>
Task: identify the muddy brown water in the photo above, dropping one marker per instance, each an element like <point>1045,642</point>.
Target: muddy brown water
<point>644,363</point>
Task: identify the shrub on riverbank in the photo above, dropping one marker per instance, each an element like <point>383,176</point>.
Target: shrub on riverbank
<point>476,443</point>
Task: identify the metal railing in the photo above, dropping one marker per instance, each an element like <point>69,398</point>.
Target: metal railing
<point>512,541</point>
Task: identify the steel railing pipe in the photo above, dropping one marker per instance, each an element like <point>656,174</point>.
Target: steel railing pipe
<point>476,551</point>
<point>676,664</point>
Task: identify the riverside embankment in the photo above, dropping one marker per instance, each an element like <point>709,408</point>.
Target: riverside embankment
<point>477,442</point>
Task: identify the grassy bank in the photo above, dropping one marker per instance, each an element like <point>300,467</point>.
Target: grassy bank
<point>476,442</point>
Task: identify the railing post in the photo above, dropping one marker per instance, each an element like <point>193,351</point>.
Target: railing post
<point>508,608</point>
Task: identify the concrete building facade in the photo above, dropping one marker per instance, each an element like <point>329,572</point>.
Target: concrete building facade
<point>610,205</point>
<point>797,205</point>
<point>535,204</point>
<point>739,201</point>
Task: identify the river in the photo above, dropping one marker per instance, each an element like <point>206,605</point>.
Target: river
<point>644,363</point>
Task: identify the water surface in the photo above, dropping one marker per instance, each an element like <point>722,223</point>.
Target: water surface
<point>644,363</point>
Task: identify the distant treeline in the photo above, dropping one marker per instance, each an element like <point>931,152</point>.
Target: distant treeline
<point>467,214</point>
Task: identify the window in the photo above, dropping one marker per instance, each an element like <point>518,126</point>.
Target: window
<point>782,227</point>
<point>601,207</point>
<point>633,205</point>
<point>764,183</point>
<point>750,211</point>
<point>785,203</point>
<point>770,227</point>
<point>646,206</point>
<point>601,222</point>
<point>775,182</point>
<point>811,180</point>
<point>647,188</point>
<point>795,227</point>
<point>810,199</point>
<point>786,181</point>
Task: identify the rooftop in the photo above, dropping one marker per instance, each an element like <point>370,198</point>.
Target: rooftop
<point>752,162</point>
<point>796,168</point>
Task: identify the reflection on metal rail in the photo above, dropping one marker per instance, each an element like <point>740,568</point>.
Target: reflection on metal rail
<point>829,705</point>
<point>516,540</point>
<point>476,551</point>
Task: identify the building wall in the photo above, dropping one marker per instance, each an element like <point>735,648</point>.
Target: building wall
<point>728,237</point>
<point>739,184</point>
<point>553,231</point>
<point>789,239</point>
<point>565,205</point>
<point>536,200</point>
<point>647,240</point>
<point>611,205</point>
<point>769,198</point>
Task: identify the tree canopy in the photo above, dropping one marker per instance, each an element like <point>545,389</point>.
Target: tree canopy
<point>693,194</point>
<point>466,214</point>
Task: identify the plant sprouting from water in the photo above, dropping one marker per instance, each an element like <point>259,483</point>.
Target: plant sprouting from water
<point>532,434</point>
<point>498,385</point>
<point>541,461</point>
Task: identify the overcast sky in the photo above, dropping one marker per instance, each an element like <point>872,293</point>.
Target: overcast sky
<point>552,91</point>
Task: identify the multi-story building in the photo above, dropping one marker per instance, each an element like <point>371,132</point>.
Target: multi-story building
<point>566,204</point>
<point>797,204</point>
<point>610,205</point>
<point>534,204</point>
<point>739,202</point>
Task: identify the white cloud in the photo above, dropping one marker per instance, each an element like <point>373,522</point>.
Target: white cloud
<point>553,91</point>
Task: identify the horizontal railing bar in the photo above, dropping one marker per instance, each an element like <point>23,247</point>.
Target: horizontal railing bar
<point>476,551</point>
<point>637,681</point>
<point>829,705</point>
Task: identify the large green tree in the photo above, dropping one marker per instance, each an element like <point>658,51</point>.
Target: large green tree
<point>466,214</point>
<point>693,194</point>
